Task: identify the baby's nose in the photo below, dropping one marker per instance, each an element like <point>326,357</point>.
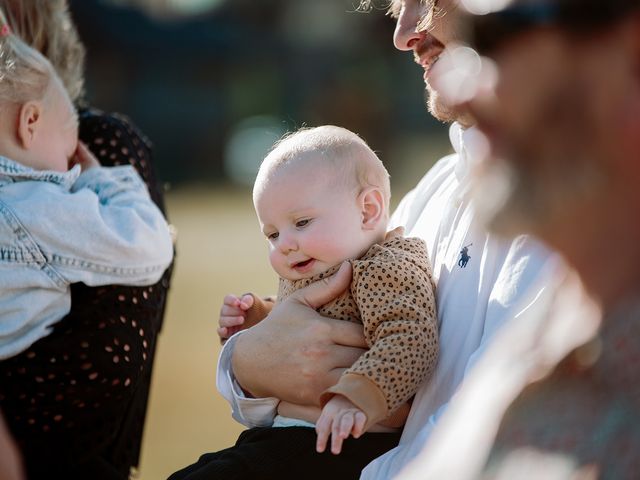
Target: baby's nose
<point>288,243</point>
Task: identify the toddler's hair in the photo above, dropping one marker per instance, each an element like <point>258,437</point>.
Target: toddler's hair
<point>25,74</point>
<point>355,163</point>
<point>47,26</point>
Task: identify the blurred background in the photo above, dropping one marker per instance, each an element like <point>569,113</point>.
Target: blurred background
<point>213,83</point>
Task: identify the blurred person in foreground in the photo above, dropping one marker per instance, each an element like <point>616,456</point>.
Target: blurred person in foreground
<point>75,401</point>
<point>558,396</point>
<point>482,280</point>
<point>10,461</point>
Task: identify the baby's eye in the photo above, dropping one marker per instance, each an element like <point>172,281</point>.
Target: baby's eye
<point>302,223</point>
<point>272,236</point>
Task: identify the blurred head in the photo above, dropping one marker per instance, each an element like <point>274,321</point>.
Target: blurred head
<point>322,197</point>
<point>47,26</point>
<point>562,120</point>
<point>426,28</point>
<point>39,126</point>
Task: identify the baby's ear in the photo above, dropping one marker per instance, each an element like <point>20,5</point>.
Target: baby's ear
<point>372,204</point>
<point>29,122</point>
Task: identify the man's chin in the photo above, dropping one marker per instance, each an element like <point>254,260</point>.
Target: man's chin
<point>444,112</point>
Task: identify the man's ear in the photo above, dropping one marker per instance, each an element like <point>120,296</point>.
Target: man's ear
<point>29,116</point>
<point>372,205</point>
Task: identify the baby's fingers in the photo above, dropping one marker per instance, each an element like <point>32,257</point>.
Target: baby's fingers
<point>340,431</point>
<point>246,302</point>
<point>229,326</point>
<point>223,333</point>
<point>323,428</point>
<point>358,425</point>
<point>345,425</point>
<point>231,320</point>
<point>84,157</point>
<point>231,301</point>
<point>231,311</point>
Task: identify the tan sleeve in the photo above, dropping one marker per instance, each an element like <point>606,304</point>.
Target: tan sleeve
<point>396,300</point>
<point>259,310</point>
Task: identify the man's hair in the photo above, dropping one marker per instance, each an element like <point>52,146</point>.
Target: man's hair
<point>47,26</point>
<point>25,74</point>
<point>393,10</point>
<point>354,162</point>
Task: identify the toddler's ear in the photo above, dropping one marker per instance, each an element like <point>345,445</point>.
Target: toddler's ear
<point>373,207</point>
<point>29,121</point>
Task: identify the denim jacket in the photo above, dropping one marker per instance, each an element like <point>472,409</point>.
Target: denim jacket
<point>98,227</point>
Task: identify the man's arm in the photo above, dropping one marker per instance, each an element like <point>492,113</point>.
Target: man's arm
<point>295,353</point>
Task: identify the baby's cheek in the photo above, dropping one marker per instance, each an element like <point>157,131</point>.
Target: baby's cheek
<point>274,260</point>
<point>336,249</point>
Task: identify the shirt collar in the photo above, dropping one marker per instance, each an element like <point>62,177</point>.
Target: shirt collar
<point>469,144</point>
<point>12,171</point>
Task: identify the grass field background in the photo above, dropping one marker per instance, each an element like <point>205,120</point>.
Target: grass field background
<point>220,250</point>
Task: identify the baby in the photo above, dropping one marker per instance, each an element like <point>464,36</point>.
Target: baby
<point>60,225</point>
<point>322,198</point>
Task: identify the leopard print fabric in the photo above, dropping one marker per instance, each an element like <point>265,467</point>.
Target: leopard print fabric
<point>392,295</point>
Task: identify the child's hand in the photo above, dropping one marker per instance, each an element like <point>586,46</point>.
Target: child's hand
<point>233,314</point>
<point>339,418</point>
<point>84,158</point>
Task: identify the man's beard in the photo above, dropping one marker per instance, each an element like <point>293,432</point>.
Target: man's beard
<point>440,110</point>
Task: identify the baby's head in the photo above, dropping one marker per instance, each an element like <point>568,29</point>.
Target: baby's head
<point>38,123</point>
<point>322,197</point>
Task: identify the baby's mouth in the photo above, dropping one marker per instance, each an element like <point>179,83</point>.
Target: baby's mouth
<point>303,264</point>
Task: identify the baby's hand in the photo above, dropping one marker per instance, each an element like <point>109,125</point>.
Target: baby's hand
<point>339,418</point>
<point>233,314</point>
<point>84,158</point>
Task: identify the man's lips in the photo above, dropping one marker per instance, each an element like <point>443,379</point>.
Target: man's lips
<point>427,62</point>
<point>428,54</point>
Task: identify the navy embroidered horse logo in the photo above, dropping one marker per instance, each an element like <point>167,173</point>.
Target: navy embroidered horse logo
<point>464,256</point>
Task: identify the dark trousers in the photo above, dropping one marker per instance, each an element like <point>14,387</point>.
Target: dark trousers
<point>287,453</point>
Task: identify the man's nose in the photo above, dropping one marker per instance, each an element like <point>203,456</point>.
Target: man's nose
<point>408,33</point>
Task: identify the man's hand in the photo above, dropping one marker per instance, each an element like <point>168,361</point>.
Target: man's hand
<point>233,315</point>
<point>340,418</point>
<point>295,354</point>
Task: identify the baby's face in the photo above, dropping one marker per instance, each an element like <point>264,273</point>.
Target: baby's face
<point>311,220</point>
